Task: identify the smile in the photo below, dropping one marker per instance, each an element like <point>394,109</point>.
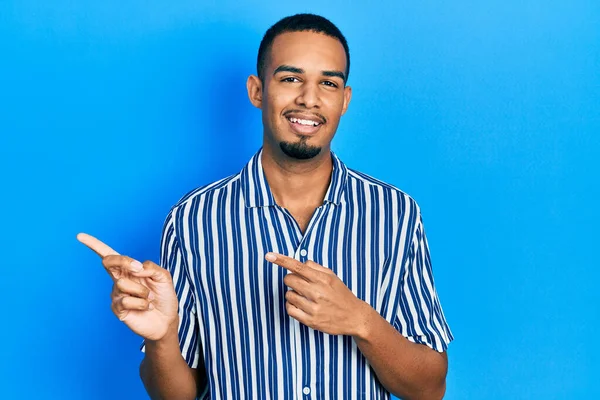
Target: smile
<point>304,124</point>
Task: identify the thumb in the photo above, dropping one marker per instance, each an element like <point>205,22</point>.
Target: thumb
<point>154,272</point>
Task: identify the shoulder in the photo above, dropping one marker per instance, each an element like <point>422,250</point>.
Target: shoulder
<point>388,192</point>
<point>400,210</point>
<point>194,197</point>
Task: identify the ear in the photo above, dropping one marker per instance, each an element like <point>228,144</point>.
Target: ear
<point>347,98</point>
<point>254,86</point>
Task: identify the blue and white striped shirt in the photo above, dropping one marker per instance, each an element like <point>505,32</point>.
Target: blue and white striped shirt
<point>232,304</point>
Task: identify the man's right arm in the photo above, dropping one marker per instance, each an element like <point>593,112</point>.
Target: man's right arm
<point>144,298</point>
<point>165,373</point>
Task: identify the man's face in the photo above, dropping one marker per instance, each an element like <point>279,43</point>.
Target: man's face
<point>303,94</point>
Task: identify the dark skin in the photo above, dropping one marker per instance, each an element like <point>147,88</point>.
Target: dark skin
<point>304,79</point>
<point>299,78</point>
<point>318,92</point>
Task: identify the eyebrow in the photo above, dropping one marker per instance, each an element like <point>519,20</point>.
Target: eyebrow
<point>296,70</point>
<point>339,74</point>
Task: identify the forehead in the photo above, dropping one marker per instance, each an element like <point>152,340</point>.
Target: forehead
<point>309,51</point>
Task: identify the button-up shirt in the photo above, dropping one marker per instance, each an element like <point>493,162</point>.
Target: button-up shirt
<point>232,301</point>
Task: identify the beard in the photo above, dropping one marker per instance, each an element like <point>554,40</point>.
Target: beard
<point>299,150</point>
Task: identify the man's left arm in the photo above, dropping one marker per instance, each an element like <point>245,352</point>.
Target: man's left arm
<point>410,369</point>
<point>406,369</point>
<point>408,353</point>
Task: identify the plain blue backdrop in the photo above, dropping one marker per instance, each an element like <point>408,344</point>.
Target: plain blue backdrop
<point>487,113</point>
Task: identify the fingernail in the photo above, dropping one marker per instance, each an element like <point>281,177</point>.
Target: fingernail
<point>271,257</point>
<point>136,266</point>
<point>150,306</point>
<point>150,296</point>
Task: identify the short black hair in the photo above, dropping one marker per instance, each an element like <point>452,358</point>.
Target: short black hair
<point>299,23</point>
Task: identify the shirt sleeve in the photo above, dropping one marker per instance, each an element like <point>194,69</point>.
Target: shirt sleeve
<point>171,258</point>
<point>419,316</point>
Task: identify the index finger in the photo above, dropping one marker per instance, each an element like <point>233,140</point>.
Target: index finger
<point>96,245</point>
<point>291,264</point>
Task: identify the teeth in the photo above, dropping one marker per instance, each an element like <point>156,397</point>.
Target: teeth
<point>304,122</point>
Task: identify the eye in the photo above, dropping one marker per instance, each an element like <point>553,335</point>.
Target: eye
<point>290,79</point>
<point>330,83</point>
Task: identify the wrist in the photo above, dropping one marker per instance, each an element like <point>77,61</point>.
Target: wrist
<point>170,337</point>
<point>363,321</point>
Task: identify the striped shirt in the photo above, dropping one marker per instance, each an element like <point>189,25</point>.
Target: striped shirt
<point>232,304</point>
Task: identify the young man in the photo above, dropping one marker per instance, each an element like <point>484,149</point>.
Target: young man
<point>297,278</point>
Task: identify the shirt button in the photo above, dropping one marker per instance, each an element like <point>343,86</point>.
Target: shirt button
<point>306,390</point>
<point>303,253</point>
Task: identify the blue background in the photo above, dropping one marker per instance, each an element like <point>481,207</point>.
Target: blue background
<point>487,113</point>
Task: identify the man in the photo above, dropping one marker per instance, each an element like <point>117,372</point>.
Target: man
<point>297,278</point>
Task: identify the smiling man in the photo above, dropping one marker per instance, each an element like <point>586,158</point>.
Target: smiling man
<point>297,278</point>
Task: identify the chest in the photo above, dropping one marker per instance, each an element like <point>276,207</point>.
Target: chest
<point>301,216</point>
<point>227,264</point>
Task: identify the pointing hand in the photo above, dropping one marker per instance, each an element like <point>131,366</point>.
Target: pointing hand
<point>319,299</point>
<point>143,296</point>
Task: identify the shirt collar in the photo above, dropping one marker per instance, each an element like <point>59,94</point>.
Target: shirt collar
<point>257,193</point>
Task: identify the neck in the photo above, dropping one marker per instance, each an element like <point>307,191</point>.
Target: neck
<point>297,183</point>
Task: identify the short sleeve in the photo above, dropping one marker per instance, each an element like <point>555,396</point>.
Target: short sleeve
<point>171,258</point>
<point>419,316</point>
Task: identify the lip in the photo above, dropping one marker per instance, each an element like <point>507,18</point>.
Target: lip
<point>304,129</point>
<point>301,115</point>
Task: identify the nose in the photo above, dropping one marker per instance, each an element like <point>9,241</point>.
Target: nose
<point>309,96</point>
